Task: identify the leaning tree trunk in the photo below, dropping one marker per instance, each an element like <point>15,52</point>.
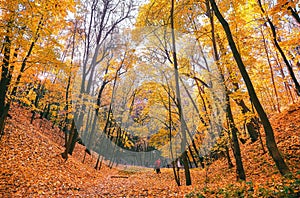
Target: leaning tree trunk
<point>270,139</point>
<point>232,127</point>
<point>294,13</point>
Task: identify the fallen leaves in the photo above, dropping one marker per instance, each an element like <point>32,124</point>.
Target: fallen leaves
<point>31,166</point>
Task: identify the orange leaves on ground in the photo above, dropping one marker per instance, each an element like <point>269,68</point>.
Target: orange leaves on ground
<point>31,165</point>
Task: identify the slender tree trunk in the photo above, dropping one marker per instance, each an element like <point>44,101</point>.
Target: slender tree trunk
<point>5,80</point>
<point>230,165</point>
<point>96,115</point>
<point>270,139</point>
<point>176,175</point>
<point>232,127</point>
<point>250,125</point>
<point>286,85</point>
<point>183,127</point>
<point>193,157</point>
<point>97,162</point>
<point>253,125</point>
<point>271,70</point>
<point>74,140</point>
<point>73,132</point>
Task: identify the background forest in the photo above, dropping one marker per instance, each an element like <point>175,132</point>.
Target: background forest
<point>208,87</point>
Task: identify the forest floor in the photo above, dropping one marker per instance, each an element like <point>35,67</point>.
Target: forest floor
<point>31,166</point>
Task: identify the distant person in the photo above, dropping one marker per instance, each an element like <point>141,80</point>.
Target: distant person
<point>178,164</point>
<point>157,166</point>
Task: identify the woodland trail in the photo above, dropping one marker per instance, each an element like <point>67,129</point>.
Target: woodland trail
<point>31,166</point>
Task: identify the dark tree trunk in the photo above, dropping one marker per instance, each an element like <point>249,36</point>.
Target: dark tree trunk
<point>96,116</point>
<point>36,102</point>
<point>271,69</point>
<point>193,157</point>
<point>294,14</point>
<point>230,165</point>
<point>234,131</point>
<point>236,147</point>
<point>5,80</point>
<point>176,174</point>
<point>253,124</point>
<point>69,142</point>
<point>97,162</point>
<point>46,112</point>
<point>4,83</point>
<point>270,139</point>
<point>73,142</point>
<point>2,120</point>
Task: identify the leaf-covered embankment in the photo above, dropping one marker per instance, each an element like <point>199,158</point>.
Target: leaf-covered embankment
<point>31,165</point>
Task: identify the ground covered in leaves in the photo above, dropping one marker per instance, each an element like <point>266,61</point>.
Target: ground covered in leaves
<point>31,166</point>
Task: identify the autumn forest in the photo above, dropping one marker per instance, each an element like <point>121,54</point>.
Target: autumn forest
<point>129,98</point>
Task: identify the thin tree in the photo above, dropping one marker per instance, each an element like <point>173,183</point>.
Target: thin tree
<point>178,98</point>
<point>231,124</point>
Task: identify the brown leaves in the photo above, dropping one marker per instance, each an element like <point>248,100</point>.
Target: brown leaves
<point>31,165</point>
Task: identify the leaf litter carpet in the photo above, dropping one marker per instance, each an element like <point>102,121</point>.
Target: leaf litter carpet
<point>31,166</point>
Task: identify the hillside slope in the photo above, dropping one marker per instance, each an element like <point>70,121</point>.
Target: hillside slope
<point>31,166</point>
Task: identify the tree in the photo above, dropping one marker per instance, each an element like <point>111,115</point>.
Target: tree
<point>100,24</point>
<point>178,100</point>
<point>270,139</point>
<point>21,42</point>
<point>231,125</point>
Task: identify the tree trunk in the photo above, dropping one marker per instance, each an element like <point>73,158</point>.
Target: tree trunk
<point>236,147</point>
<point>253,125</point>
<point>97,162</point>
<point>230,165</point>
<point>270,139</point>
<point>73,142</point>
<point>69,142</point>
<point>294,13</point>
<point>178,98</point>
<point>271,69</point>
<point>176,174</point>
<point>4,83</point>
